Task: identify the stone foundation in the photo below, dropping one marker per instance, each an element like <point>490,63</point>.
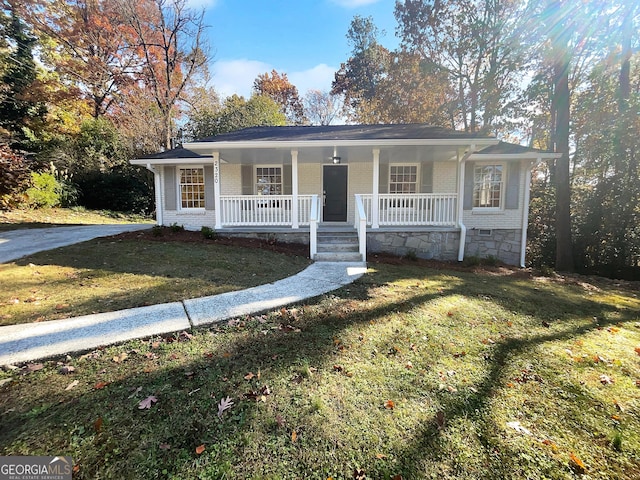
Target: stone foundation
<point>503,244</point>
<point>437,245</point>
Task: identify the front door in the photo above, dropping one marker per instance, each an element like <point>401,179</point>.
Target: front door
<point>334,185</point>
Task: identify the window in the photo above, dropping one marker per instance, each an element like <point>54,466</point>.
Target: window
<point>269,180</point>
<point>192,187</point>
<point>487,186</point>
<point>403,178</point>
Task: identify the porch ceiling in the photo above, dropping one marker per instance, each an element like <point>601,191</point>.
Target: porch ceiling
<point>347,154</point>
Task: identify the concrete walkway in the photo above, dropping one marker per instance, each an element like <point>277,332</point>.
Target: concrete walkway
<point>15,244</point>
<point>26,342</point>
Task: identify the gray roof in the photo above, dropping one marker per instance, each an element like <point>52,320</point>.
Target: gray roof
<point>505,148</point>
<point>175,153</point>
<point>342,132</point>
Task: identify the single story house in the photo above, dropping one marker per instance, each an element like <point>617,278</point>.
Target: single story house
<point>349,190</point>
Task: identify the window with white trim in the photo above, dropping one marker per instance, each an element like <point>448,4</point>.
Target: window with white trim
<point>403,178</point>
<point>192,187</point>
<point>487,186</point>
<point>269,180</point>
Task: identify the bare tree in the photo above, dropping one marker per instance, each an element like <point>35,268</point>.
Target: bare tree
<point>322,108</point>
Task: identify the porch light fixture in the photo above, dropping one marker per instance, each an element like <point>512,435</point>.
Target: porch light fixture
<point>336,160</point>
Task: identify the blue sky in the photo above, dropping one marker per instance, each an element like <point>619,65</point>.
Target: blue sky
<point>303,38</point>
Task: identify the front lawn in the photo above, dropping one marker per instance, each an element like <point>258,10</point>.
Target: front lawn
<point>52,217</point>
<point>132,270</point>
<point>409,373</point>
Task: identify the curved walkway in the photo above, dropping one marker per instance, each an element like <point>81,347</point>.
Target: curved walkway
<point>21,343</point>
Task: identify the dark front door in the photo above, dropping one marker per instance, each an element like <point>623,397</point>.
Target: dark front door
<point>334,185</point>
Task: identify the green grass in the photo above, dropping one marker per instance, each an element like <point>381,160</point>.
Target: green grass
<point>120,272</point>
<point>51,217</point>
<point>463,356</point>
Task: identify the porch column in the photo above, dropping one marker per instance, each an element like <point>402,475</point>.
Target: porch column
<point>375,199</point>
<point>294,188</point>
<point>216,189</point>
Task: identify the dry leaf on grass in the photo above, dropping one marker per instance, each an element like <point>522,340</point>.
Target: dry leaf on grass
<point>199,449</point>
<point>147,402</point>
<point>72,385</point>
<point>120,358</point>
<point>294,437</point>
<point>576,464</point>
<point>519,428</point>
<point>224,405</point>
<point>606,379</point>
<point>389,405</point>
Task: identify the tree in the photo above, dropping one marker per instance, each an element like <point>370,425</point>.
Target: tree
<point>322,108</point>
<point>236,113</point>
<point>90,47</point>
<point>284,93</point>
<point>19,108</point>
<point>478,44</point>
<point>14,177</point>
<point>358,79</point>
<point>170,38</point>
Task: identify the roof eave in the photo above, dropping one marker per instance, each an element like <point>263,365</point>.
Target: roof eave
<point>515,156</point>
<point>373,143</point>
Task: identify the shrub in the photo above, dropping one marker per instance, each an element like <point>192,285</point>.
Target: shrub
<point>14,177</point>
<point>157,231</point>
<point>124,190</point>
<point>208,233</point>
<point>176,228</point>
<point>44,191</point>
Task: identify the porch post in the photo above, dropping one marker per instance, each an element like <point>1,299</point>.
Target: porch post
<point>294,188</point>
<point>375,199</point>
<point>216,189</point>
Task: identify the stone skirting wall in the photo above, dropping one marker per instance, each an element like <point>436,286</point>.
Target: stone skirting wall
<point>437,245</point>
<point>503,244</point>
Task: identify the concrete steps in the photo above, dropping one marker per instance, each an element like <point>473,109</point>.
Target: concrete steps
<point>338,247</point>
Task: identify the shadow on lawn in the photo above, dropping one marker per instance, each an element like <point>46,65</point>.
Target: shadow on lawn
<point>187,420</point>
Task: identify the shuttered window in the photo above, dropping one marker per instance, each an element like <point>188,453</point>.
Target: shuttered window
<point>192,188</point>
<point>487,186</point>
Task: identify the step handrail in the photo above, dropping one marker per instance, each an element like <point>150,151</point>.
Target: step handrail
<point>361,226</point>
<point>314,218</point>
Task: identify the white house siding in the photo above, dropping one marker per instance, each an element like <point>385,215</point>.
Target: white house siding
<point>445,177</point>
<point>230,179</point>
<point>360,181</point>
<point>309,179</point>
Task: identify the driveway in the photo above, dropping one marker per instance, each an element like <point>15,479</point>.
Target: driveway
<point>15,244</point>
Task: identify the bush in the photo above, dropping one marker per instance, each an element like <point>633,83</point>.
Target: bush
<point>157,231</point>
<point>176,228</point>
<point>14,177</point>
<point>124,190</point>
<point>44,191</point>
<point>208,233</point>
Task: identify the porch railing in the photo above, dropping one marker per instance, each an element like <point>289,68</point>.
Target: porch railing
<point>314,218</point>
<point>437,209</point>
<point>262,210</point>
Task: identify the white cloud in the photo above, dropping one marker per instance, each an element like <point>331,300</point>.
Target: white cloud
<point>237,76</point>
<point>354,3</point>
<point>316,78</point>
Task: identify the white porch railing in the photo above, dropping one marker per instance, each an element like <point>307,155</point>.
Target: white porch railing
<point>437,209</point>
<point>263,210</point>
<point>361,226</point>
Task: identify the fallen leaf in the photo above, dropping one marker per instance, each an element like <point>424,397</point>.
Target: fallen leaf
<point>6,381</point>
<point>637,350</point>
<point>452,389</point>
<point>66,369</point>
<point>546,324</point>
<point>359,474</point>
<point>72,385</point>
<point>120,358</point>
<point>155,345</point>
<point>380,456</point>
<point>397,477</point>
<point>552,445</point>
<point>459,354</point>
<point>34,367</point>
<point>100,385</point>
<point>249,376</point>
<point>147,402</point>
<point>441,420</point>
<point>164,446</point>
<point>294,436</point>
<point>279,420</point>
<point>518,428</point>
<point>97,425</point>
<point>606,379</point>
<point>409,366</point>
<point>199,449</point>
<point>224,405</point>
<point>576,464</point>
<point>389,405</point>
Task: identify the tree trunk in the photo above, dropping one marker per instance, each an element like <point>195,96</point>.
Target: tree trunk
<point>564,248</point>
